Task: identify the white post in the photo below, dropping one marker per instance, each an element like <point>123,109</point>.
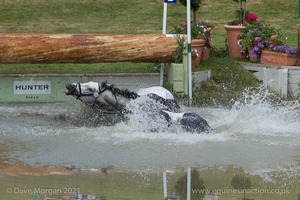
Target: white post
<point>283,82</point>
<point>165,184</point>
<point>164,31</point>
<point>265,77</point>
<point>188,188</point>
<point>188,9</point>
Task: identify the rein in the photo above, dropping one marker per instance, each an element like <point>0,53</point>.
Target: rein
<point>123,92</point>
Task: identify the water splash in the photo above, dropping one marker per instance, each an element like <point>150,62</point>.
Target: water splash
<point>259,116</point>
<point>259,132</point>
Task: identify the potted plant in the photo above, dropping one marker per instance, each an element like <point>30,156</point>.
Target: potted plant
<point>279,55</point>
<point>234,27</point>
<point>265,43</point>
<point>257,36</point>
<point>199,51</point>
<point>200,33</point>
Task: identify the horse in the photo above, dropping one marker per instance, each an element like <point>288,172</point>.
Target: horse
<point>108,99</point>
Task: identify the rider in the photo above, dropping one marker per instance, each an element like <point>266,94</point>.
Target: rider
<point>191,122</point>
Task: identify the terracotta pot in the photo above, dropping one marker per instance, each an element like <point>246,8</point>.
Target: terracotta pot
<point>197,44</point>
<point>252,59</point>
<point>205,53</point>
<point>277,59</point>
<point>232,40</point>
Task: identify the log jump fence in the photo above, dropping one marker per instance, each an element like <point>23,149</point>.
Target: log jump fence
<point>86,48</point>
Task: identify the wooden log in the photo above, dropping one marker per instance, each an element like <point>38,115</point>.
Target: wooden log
<point>86,48</point>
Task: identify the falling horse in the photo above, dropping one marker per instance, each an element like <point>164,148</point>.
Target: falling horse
<point>109,99</point>
<point>112,99</point>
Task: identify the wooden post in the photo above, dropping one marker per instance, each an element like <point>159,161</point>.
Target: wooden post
<point>86,48</point>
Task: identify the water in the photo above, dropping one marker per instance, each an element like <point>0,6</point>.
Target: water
<point>259,134</point>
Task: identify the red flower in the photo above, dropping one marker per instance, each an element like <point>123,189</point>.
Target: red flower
<point>252,17</point>
<point>184,25</point>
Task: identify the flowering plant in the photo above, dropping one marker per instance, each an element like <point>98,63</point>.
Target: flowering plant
<point>259,35</point>
<point>284,49</point>
<point>256,50</point>
<point>199,30</point>
<point>195,53</point>
<point>251,17</point>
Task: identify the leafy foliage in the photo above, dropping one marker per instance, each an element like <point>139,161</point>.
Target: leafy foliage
<point>180,49</point>
<point>195,6</point>
<point>242,12</point>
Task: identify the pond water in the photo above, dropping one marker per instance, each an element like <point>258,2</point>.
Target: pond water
<point>256,135</point>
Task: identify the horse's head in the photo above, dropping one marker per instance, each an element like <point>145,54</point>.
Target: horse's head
<point>71,89</point>
<point>83,91</point>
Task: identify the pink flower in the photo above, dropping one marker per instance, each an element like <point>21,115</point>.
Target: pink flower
<point>184,25</point>
<point>252,17</point>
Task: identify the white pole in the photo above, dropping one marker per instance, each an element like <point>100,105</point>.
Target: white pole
<point>188,9</point>
<point>164,31</point>
<point>188,188</point>
<point>165,184</point>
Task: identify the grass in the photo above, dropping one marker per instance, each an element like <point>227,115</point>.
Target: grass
<point>120,67</point>
<point>227,82</point>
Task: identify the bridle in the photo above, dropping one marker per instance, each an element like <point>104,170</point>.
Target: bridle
<point>79,93</point>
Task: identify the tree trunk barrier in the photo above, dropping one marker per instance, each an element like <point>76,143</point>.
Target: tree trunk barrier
<point>86,48</point>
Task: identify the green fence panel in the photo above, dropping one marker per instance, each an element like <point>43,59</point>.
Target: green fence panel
<point>34,89</point>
